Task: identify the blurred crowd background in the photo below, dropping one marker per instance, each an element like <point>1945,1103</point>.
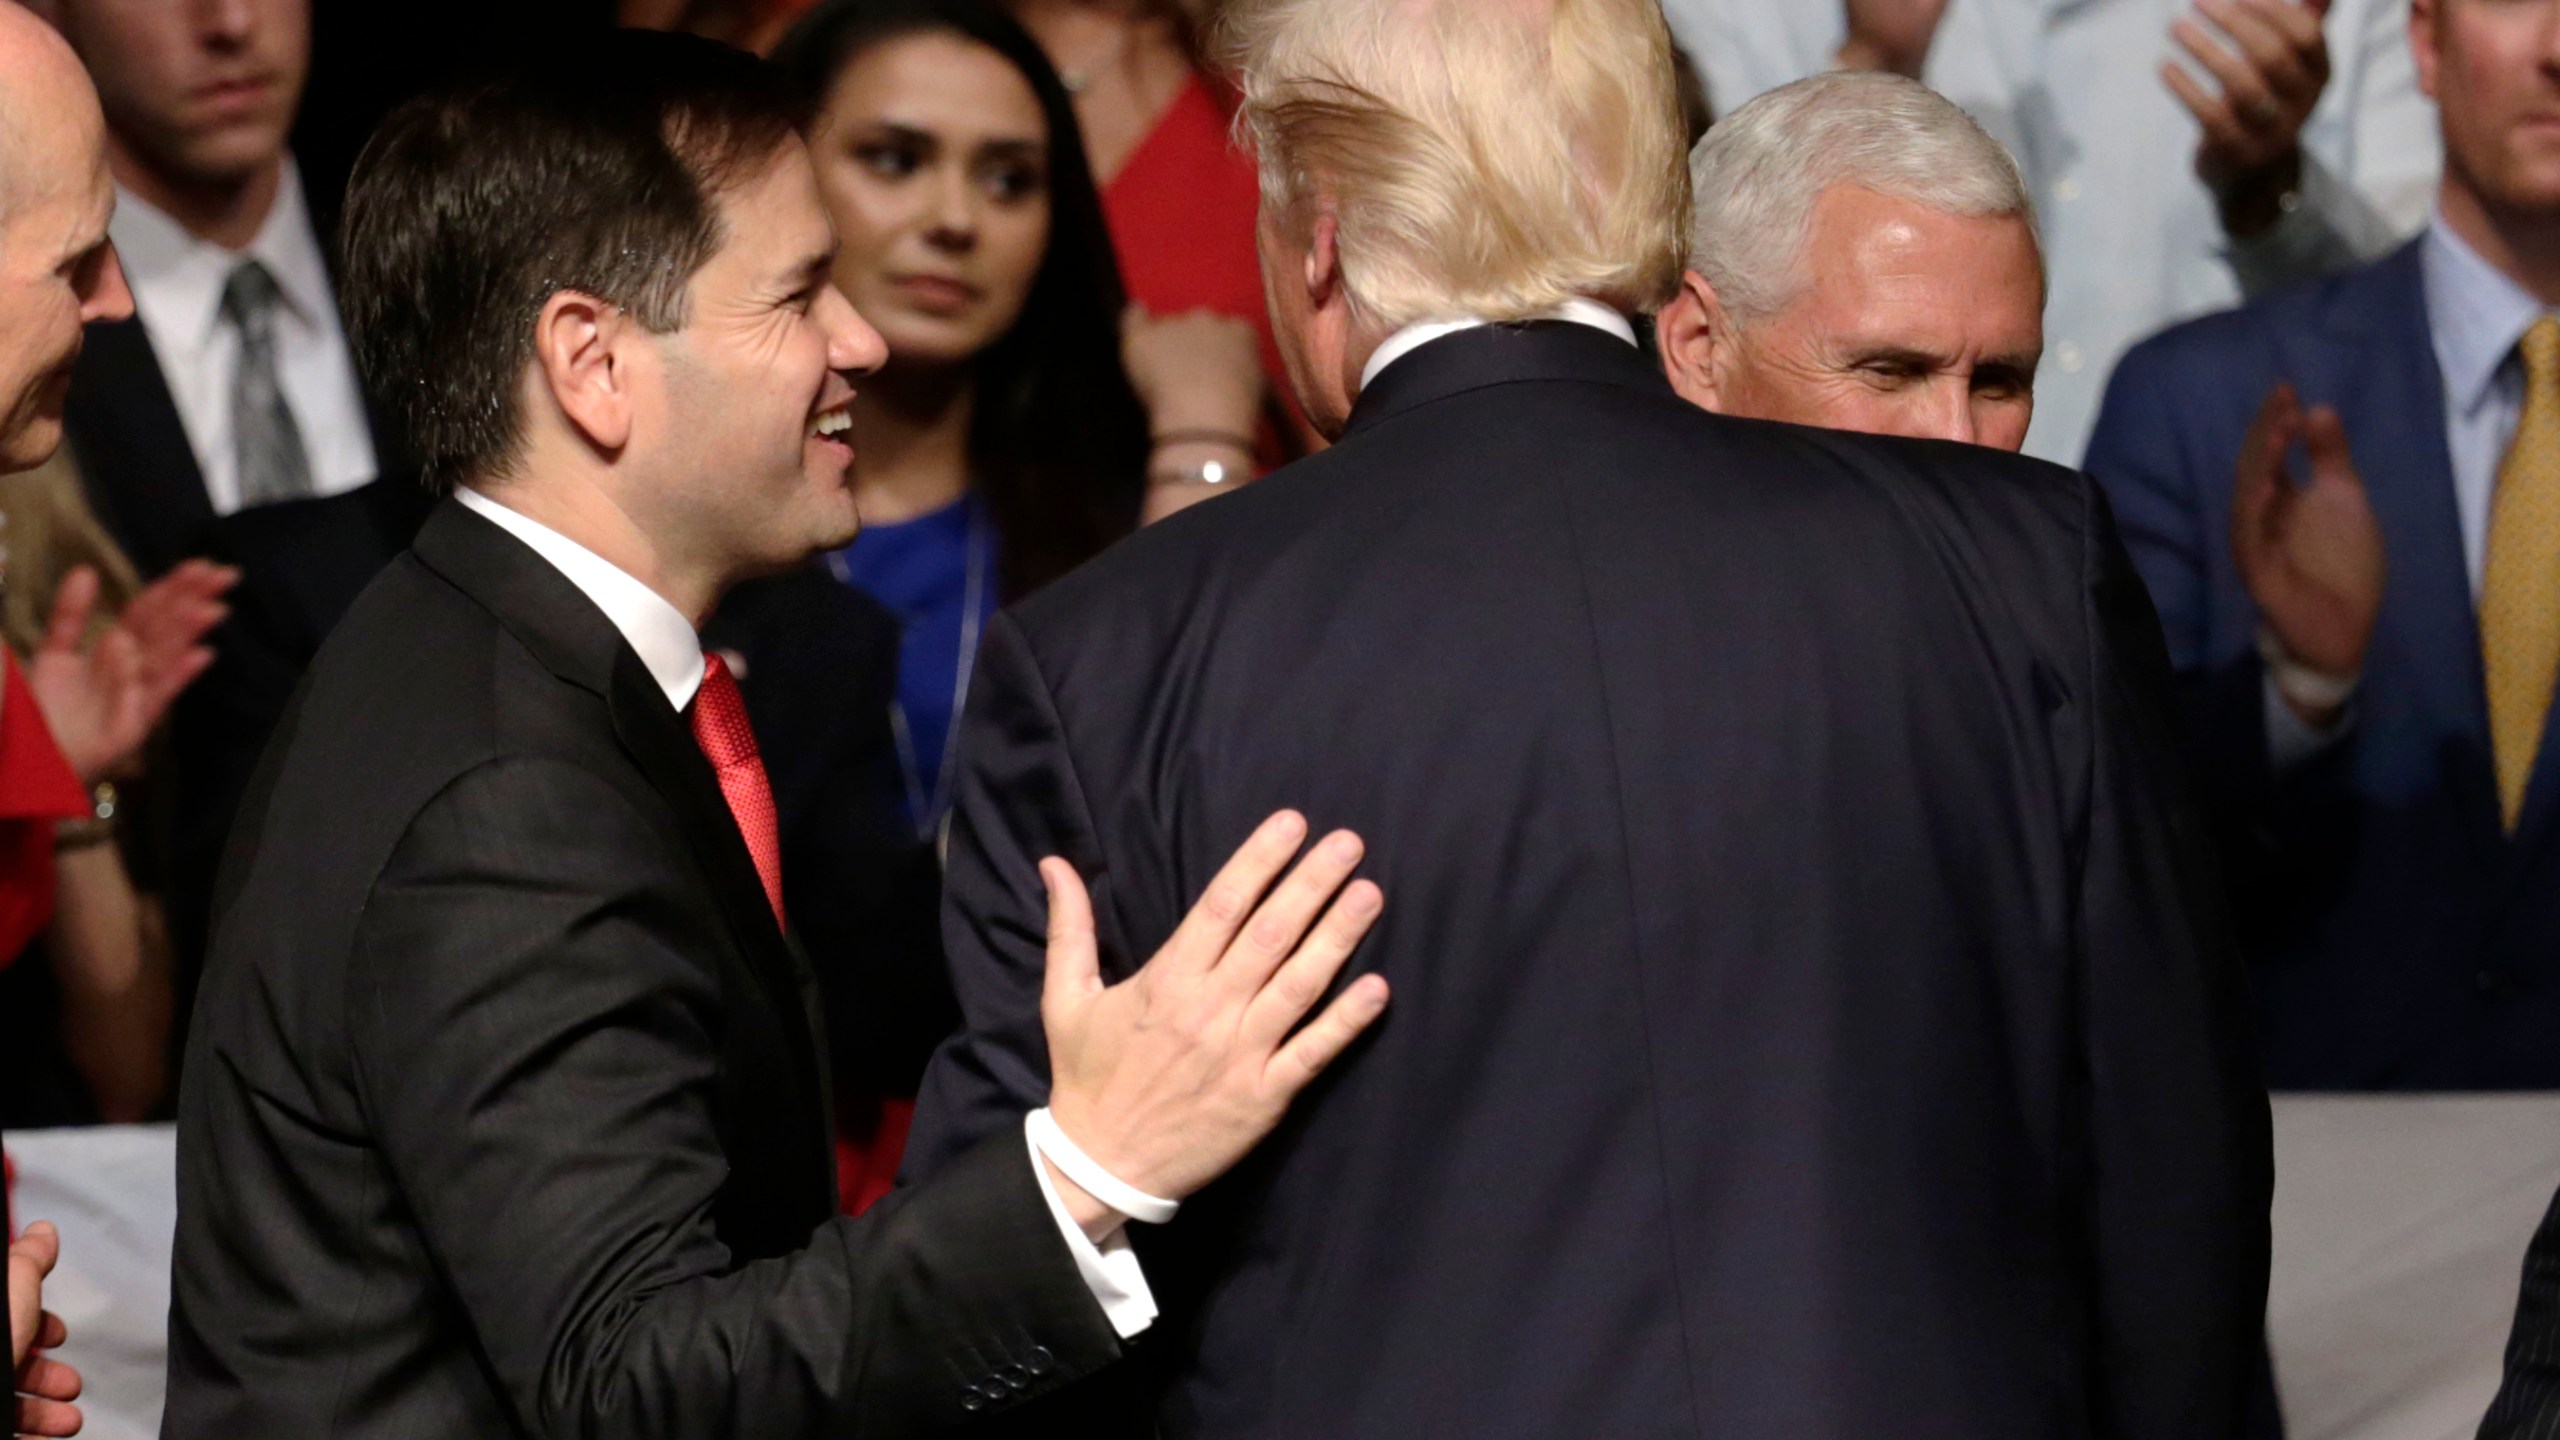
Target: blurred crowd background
<point>2279,273</point>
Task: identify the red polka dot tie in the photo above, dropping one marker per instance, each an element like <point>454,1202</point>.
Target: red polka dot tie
<point>720,728</point>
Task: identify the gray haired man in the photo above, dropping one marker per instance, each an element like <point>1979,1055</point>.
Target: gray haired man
<point>1862,257</point>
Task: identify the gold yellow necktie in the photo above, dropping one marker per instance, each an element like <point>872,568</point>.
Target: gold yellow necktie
<point>2520,597</point>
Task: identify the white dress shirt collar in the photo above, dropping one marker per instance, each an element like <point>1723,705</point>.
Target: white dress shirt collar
<point>1413,337</point>
<point>177,279</point>
<point>2477,312</point>
<point>657,630</point>
<point>177,282</point>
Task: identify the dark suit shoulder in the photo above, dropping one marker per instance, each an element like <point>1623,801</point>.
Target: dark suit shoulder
<point>1463,482</point>
<point>386,512</point>
<point>2200,356</point>
<point>419,684</point>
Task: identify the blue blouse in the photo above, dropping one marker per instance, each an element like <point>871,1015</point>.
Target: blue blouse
<point>938,574</point>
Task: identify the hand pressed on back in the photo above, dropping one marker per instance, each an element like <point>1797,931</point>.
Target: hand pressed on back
<point>1170,1077</point>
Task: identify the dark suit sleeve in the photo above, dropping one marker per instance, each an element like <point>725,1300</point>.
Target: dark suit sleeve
<point>2164,475</point>
<point>2139,453</point>
<point>223,723</point>
<point>1020,802</point>
<point>2146,458</point>
<point>2180,1164</point>
<point>533,1020</point>
<point>2528,1404</point>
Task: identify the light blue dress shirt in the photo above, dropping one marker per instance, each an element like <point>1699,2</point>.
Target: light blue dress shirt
<point>2478,317</point>
<point>2131,236</point>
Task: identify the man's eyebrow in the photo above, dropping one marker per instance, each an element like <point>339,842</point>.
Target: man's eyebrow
<point>1902,355</point>
<point>812,270</point>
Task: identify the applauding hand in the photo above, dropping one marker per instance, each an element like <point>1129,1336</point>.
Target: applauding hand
<point>42,1386</point>
<point>1168,1078</point>
<point>2310,555</point>
<point>102,698</point>
<point>1892,35</point>
<point>2271,59</point>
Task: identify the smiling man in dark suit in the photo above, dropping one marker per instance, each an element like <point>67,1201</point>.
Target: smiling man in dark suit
<point>505,1112</point>
<point>1813,1019</point>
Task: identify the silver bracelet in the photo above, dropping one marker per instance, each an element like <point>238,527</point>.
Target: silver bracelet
<point>1197,472</point>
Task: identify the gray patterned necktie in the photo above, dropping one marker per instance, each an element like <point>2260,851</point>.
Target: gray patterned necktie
<point>273,465</point>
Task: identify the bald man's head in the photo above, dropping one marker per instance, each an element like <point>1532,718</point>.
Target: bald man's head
<point>57,272</point>
<point>47,107</point>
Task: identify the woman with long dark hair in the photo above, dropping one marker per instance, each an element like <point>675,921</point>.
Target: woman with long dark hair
<point>1003,444</point>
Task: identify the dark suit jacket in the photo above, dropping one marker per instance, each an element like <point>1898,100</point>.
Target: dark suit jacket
<point>1810,1016</point>
<point>301,564</point>
<point>865,898</point>
<point>2528,1404</point>
<point>139,470</point>
<point>2400,939</point>
<point>504,1113</point>
<point>820,663</point>
<point>141,478</point>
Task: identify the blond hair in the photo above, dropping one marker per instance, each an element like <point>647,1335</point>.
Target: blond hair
<point>1482,158</point>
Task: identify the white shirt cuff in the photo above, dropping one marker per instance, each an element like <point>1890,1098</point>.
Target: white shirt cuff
<point>2290,739</point>
<point>1110,1270</point>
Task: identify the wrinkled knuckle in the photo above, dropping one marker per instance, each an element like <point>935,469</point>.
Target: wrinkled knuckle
<point>1297,992</point>
<point>1223,904</point>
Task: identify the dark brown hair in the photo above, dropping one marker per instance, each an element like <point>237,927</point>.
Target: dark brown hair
<point>598,173</point>
<point>1058,445</point>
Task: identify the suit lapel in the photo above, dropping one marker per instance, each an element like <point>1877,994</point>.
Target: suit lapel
<point>661,743</point>
<point>133,450</point>
<point>574,640</point>
<point>2411,488</point>
<point>2380,364</point>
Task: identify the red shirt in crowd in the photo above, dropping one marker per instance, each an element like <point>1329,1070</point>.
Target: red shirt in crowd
<point>37,788</point>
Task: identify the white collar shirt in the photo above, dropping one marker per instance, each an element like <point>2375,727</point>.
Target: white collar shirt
<point>177,282</point>
<point>1413,337</point>
<point>2476,317</point>
<point>657,630</point>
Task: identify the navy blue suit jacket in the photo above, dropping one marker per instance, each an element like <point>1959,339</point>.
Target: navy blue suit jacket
<point>1812,1021</point>
<point>2400,939</point>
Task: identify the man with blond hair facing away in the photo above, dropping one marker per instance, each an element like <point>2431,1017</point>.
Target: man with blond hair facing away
<point>1927,318</point>
<point>1812,1017</point>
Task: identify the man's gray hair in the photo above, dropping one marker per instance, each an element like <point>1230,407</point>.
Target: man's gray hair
<point>1756,176</point>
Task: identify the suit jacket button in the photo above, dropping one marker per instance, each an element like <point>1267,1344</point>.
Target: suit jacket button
<point>1014,1377</point>
<point>1041,1360</point>
<point>971,1400</point>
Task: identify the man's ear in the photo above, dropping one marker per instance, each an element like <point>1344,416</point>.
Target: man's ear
<point>580,347</point>
<point>1692,334</point>
<point>1324,259</point>
<point>2422,42</point>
